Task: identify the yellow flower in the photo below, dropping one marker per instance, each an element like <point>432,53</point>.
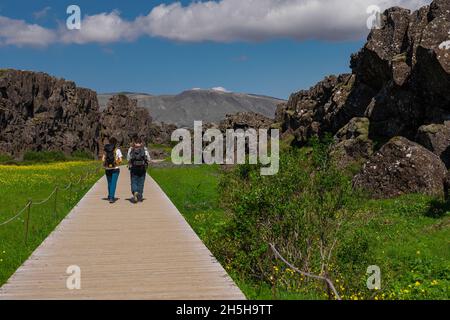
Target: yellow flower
<point>417,283</point>
<point>434,283</point>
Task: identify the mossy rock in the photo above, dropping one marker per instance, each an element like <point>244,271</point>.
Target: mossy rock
<point>402,57</point>
<point>3,72</point>
<point>290,112</point>
<point>346,86</point>
<point>286,141</point>
<point>356,126</point>
<point>276,125</point>
<point>431,128</point>
<point>362,126</point>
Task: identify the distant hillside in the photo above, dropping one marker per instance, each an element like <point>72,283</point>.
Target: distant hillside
<point>206,105</point>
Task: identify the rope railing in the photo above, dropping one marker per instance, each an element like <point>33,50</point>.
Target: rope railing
<point>46,200</point>
<point>15,216</point>
<point>66,188</point>
<point>54,194</point>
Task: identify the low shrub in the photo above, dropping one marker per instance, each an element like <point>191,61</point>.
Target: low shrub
<point>5,158</point>
<point>302,211</point>
<point>44,156</point>
<point>82,155</point>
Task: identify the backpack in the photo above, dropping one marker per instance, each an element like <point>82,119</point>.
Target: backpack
<point>110,156</point>
<point>138,158</point>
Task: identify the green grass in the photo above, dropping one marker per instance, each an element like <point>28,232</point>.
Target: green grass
<point>163,147</point>
<point>40,157</point>
<point>5,158</point>
<point>193,190</point>
<point>408,237</point>
<point>18,184</point>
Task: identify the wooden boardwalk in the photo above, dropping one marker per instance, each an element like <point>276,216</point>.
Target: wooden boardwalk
<point>124,251</point>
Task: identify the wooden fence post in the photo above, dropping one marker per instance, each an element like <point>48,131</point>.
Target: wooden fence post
<point>27,223</point>
<point>54,204</point>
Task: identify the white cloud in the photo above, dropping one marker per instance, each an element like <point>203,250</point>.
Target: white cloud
<point>101,28</point>
<point>254,20</point>
<point>41,13</point>
<point>20,33</point>
<point>220,21</point>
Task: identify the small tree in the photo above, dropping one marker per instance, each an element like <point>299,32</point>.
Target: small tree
<point>300,212</point>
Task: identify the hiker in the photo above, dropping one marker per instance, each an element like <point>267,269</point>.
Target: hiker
<point>138,160</point>
<point>112,158</point>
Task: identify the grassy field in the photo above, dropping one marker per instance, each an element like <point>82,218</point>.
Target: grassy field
<point>408,237</point>
<point>193,190</point>
<point>18,184</point>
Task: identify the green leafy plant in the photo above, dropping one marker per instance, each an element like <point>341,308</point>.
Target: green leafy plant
<point>44,156</point>
<point>82,155</point>
<point>302,211</point>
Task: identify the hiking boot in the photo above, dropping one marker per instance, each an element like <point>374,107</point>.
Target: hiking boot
<point>141,198</point>
<point>111,200</point>
<point>136,197</point>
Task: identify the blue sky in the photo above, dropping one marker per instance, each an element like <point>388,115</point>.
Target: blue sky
<point>188,46</point>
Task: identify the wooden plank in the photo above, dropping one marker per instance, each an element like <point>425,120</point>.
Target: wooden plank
<point>125,251</point>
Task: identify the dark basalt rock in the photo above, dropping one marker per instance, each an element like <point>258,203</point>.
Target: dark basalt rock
<point>244,120</point>
<point>403,62</point>
<point>402,167</point>
<point>122,119</point>
<point>326,107</point>
<point>161,133</point>
<point>436,138</point>
<point>40,112</point>
<point>352,143</point>
<point>400,81</point>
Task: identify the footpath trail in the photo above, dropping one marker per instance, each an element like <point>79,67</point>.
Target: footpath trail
<point>124,251</point>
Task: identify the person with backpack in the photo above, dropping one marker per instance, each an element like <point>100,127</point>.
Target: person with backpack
<point>138,160</point>
<point>112,158</point>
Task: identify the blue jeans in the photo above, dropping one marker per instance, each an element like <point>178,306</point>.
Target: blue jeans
<point>137,183</point>
<point>112,176</point>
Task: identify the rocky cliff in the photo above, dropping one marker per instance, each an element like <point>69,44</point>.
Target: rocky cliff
<point>399,86</point>
<point>244,121</point>
<point>123,119</point>
<point>40,112</point>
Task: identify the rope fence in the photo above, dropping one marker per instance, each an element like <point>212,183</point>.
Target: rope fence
<point>54,195</point>
<point>15,217</point>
